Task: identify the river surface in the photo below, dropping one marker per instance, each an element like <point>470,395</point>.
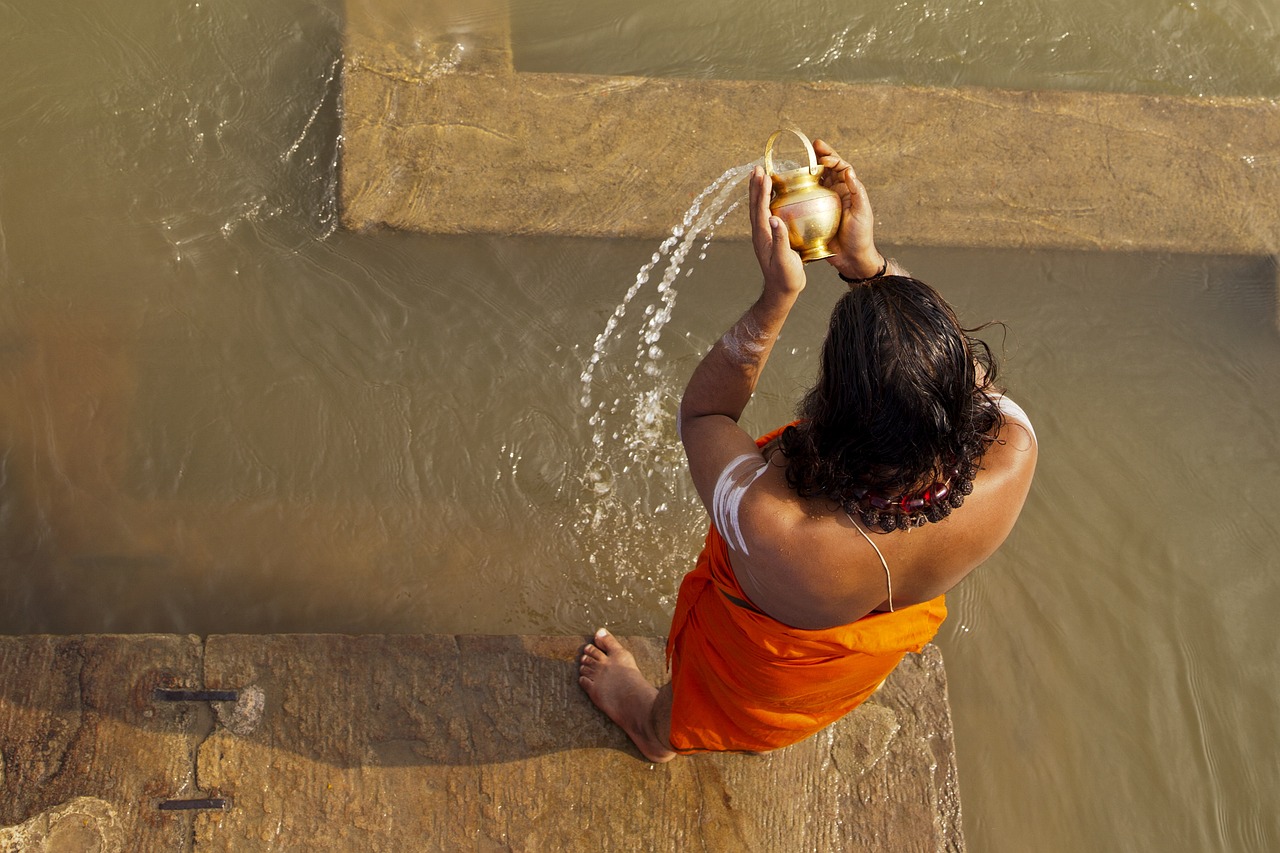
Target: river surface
<point>221,413</point>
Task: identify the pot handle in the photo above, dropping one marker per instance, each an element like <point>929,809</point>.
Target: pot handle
<point>808,147</point>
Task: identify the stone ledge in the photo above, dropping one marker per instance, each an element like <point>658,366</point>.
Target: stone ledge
<point>437,143</point>
<point>85,752</point>
<point>438,742</point>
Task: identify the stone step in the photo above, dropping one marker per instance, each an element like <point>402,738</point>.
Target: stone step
<point>396,742</point>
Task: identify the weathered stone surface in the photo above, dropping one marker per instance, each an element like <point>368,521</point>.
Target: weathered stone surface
<point>445,743</point>
<point>82,825</point>
<point>430,743</point>
<point>433,143</point>
<point>86,753</point>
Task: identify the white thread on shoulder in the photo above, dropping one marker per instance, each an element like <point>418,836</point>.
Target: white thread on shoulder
<point>888,580</point>
<point>726,501</point>
<point>1015,412</point>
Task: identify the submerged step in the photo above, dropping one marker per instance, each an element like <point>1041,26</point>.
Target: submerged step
<point>441,135</point>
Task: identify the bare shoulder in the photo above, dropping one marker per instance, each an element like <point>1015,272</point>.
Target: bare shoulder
<point>935,558</point>
<point>1009,465</point>
<point>804,566</point>
<point>807,565</point>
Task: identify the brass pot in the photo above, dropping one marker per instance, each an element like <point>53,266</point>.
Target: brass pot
<point>810,211</point>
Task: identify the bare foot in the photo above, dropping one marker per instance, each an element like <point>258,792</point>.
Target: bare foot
<point>609,674</point>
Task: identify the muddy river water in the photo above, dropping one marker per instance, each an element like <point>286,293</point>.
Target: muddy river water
<point>221,413</point>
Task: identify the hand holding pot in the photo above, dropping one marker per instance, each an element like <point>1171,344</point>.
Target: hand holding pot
<point>854,253</point>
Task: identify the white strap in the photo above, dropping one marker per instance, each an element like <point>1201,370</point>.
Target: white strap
<point>887,579</point>
<point>1015,412</point>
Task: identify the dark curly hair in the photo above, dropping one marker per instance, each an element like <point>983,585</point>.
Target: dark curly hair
<point>898,403</point>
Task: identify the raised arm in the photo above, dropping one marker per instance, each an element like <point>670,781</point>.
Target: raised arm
<point>722,383</point>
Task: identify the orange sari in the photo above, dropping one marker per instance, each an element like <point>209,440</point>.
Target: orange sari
<point>743,681</point>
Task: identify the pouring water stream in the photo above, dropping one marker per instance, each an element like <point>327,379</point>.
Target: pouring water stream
<point>633,434</point>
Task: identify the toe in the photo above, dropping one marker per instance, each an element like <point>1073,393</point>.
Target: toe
<point>607,642</point>
<point>593,661</point>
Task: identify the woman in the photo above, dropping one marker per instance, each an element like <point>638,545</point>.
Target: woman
<point>832,539</point>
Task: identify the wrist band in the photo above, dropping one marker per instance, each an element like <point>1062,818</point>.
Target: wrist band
<point>884,267</point>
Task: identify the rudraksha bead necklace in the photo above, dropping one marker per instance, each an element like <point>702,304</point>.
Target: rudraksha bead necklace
<point>905,512</point>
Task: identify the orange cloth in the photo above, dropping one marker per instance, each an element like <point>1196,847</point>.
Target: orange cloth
<point>743,681</point>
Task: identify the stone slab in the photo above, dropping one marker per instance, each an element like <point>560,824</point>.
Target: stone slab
<point>86,753</point>
<point>430,743</point>
<point>436,143</point>
<point>378,743</point>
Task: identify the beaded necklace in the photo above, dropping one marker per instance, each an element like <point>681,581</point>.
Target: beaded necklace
<point>904,512</point>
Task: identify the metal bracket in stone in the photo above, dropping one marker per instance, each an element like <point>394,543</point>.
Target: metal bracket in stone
<point>164,694</point>
<point>197,804</point>
<point>237,711</point>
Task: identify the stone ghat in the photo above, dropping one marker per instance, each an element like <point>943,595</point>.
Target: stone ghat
<point>443,134</point>
<point>405,742</point>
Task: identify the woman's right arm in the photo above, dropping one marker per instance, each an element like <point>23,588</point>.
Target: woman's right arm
<point>722,383</point>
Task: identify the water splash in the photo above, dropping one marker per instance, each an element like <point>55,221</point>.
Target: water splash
<point>642,428</point>
<point>697,222</point>
<point>630,498</point>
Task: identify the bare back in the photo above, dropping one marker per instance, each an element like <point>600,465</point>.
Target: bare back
<point>803,562</point>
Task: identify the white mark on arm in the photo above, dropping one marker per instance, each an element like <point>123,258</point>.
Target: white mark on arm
<point>742,342</point>
<point>726,502</point>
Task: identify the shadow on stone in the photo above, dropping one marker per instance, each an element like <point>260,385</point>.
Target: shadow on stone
<point>401,700</point>
<point>486,738</point>
<point>467,742</point>
<point>79,730</point>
